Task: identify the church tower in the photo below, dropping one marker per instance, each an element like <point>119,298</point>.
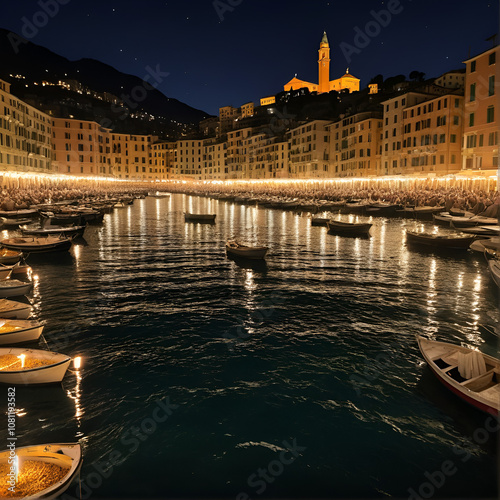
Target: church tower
<point>324,65</point>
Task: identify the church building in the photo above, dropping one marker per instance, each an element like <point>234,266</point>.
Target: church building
<point>324,84</point>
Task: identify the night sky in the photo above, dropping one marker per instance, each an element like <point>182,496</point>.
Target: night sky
<point>229,52</point>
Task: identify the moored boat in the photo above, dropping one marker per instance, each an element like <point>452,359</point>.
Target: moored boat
<point>494,267</point>
<point>246,251</point>
<point>5,272</point>
<point>457,242</point>
<point>38,244</point>
<point>349,228</point>
<point>14,288</point>
<point>6,223</point>
<point>11,309</point>
<point>44,471</point>
<point>31,366</point>
<point>320,221</point>
<point>17,331</point>
<point>189,217</point>
<point>470,374</point>
<point>52,229</point>
<point>10,256</point>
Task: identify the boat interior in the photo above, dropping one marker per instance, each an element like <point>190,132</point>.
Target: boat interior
<point>484,378</point>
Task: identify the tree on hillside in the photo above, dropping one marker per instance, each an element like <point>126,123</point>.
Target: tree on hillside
<point>417,76</point>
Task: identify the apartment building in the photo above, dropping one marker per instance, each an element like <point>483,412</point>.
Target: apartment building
<point>188,160</point>
<point>309,150</point>
<point>25,135</point>
<point>355,145</point>
<point>215,159</point>
<point>431,136</point>
<point>482,106</point>
<point>267,157</point>
<point>162,159</point>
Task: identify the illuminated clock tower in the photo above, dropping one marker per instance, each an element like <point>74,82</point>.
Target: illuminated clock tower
<point>324,65</point>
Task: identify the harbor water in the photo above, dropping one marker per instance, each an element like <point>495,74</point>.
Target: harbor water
<point>299,377</point>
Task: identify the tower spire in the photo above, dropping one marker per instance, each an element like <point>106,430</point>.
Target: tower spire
<point>324,65</point>
<point>325,38</point>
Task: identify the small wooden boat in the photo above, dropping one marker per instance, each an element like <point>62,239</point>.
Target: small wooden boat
<point>246,251</point>
<point>470,374</point>
<point>14,288</point>
<point>459,222</point>
<point>426,213</point>
<point>188,217</point>
<point>458,242</point>
<point>349,228</point>
<point>494,267</point>
<point>51,230</point>
<point>17,214</point>
<point>11,309</point>
<point>6,223</point>
<point>382,209</point>
<point>10,256</point>
<point>320,221</point>
<point>44,471</point>
<point>16,331</point>
<point>20,366</point>
<point>38,244</point>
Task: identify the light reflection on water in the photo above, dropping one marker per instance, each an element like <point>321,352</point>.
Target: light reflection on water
<point>153,298</point>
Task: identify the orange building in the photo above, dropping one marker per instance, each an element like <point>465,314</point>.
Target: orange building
<point>346,82</point>
<point>482,105</point>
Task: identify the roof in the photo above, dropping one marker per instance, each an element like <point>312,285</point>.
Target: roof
<point>325,38</point>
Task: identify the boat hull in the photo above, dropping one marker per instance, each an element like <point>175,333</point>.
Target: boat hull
<point>207,218</point>
<point>444,242</point>
<point>248,253</point>
<point>11,309</point>
<point>15,288</point>
<point>48,374</point>
<point>66,455</point>
<point>36,246</point>
<point>433,352</point>
<point>24,334</point>
<point>349,229</point>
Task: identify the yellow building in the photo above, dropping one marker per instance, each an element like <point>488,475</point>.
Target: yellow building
<point>355,145</point>
<point>482,98</point>
<point>267,101</point>
<point>247,109</point>
<point>309,150</point>
<point>25,135</point>
<point>345,82</point>
<point>80,147</point>
<point>266,157</point>
<point>215,159</point>
<point>188,160</point>
<point>162,160</point>
<point>432,132</point>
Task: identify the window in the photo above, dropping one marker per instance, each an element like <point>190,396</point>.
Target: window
<point>471,119</point>
<point>453,159</point>
<point>492,58</point>
<point>471,141</point>
<point>472,66</point>
<point>491,85</point>
<point>456,120</point>
<point>481,139</point>
<point>472,92</point>
<point>490,114</point>
<point>453,138</point>
<point>457,103</point>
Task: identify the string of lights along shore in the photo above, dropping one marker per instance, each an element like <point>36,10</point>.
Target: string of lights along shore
<point>330,130</point>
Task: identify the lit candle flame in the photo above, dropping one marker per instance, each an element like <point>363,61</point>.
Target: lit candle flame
<point>21,357</point>
<point>77,362</point>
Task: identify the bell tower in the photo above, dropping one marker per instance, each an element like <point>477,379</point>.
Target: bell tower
<point>324,65</point>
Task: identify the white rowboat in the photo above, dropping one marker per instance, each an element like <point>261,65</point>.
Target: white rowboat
<point>470,374</point>
<point>11,309</point>
<point>248,252</point>
<point>63,457</point>
<point>51,370</point>
<point>17,331</point>
<point>14,288</point>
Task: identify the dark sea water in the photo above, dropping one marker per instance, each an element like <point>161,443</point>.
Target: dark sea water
<point>297,378</point>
